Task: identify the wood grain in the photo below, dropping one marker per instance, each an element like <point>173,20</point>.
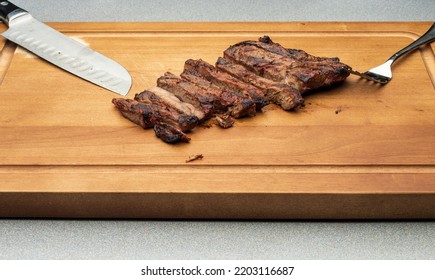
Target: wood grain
<point>358,150</point>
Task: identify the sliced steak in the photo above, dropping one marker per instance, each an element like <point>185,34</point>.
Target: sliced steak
<point>188,92</point>
<point>298,69</point>
<point>170,134</point>
<point>235,103</point>
<point>225,80</point>
<point>162,96</point>
<point>278,93</point>
<point>168,124</point>
<point>141,114</point>
<point>251,75</point>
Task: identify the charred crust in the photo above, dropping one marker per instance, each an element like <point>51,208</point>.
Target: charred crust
<point>170,134</point>
<point>265,39</point>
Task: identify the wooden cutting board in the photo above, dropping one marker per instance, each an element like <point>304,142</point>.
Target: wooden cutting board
<point>359,150</point>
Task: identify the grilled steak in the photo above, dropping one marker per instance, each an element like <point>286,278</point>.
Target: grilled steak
<point>139,113</point>
<point>250,75</point>
<point>168,123</point>
<point>237,104</point>
<point>170,134</point>
<point>161,96</point>
<point>225,80</point>
<point>296,68</point>
<point>188,92</point>
<point>279,93</point>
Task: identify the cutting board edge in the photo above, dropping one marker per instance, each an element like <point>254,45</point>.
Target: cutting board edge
<point>216,206</point>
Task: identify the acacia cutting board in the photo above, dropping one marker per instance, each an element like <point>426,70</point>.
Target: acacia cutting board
<point>359,150</point>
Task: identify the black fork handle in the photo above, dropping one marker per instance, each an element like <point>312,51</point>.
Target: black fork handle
<point>426,38</point>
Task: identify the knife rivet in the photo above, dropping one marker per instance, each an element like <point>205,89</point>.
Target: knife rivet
<point>4,3</point>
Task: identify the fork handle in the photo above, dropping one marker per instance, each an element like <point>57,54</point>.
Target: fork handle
<point>427,37</point>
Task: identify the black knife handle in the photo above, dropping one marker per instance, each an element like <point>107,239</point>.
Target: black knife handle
<point>8,10</point>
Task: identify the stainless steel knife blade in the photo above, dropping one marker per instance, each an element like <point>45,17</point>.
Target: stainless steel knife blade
<point>62,50</point>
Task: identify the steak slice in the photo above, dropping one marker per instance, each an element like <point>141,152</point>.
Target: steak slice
<point>169,125</point>
<point>170,134</point>
<point>225,80</point>
<point>169,114</point>
<point>188,92</point>
<point>139,113</point>
<point>296,68</point>
<point>267,44</point>
<point>278,93</point>
<point>161,96</point>
<point>236,104</point>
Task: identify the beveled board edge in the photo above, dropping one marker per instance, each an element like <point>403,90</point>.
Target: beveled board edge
<point>216,206</point>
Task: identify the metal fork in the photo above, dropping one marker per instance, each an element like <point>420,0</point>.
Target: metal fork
<point>382,73</point>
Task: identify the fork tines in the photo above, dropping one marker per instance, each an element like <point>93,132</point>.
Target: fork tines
<point>372,76</point>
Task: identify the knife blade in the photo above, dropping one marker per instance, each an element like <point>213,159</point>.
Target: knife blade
<point>63,51</point>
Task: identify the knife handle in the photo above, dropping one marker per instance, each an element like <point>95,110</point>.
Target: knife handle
<point>8,11</point>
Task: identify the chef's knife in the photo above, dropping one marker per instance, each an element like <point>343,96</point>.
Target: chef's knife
<point>63,51</point>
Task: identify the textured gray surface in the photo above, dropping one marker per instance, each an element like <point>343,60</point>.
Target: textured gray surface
<point>58,239</point>
<point>230,10</point>
<point>84,239</point>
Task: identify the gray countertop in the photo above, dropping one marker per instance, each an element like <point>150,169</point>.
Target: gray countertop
<point>115,239</point>
<point>155,239</point>
<point>230,10</point>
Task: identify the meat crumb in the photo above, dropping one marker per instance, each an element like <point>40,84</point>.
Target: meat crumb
<point>224,121</point>
<point>194,157</point>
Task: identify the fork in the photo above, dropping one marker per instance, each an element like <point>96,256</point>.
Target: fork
<point>382,73</point>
